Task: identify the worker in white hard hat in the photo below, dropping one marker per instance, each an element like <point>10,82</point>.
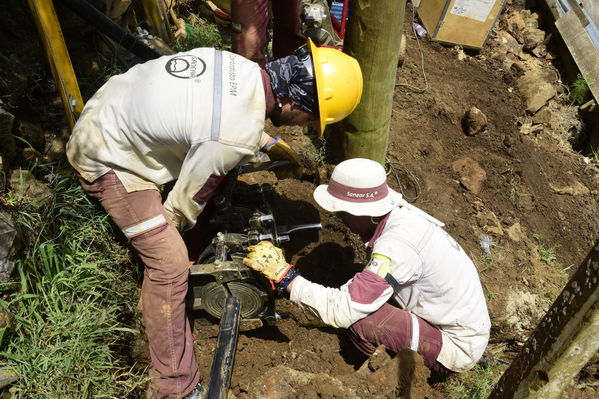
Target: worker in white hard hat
<point>419,290</point>
<point>190,118</point>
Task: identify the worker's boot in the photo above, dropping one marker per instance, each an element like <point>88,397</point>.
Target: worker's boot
<point>199,392</point>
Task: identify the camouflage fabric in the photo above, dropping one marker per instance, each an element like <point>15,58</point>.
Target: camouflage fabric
<point>290,78</point>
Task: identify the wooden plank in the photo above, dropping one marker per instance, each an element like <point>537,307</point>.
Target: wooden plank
<point>592,7</point>
<point>574,6</point>
<point>566,331</point>
<point>582,48</point>
<point>575,356</point>
<point>553,7</point>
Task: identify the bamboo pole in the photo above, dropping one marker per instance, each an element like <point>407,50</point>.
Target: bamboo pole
<point>58,58</point>
<point>374,39</point>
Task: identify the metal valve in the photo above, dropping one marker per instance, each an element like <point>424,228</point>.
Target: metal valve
<point>313,15</point>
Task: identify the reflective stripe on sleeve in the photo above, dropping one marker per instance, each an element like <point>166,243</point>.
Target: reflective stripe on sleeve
<point>144,226</point>
<point>415,333</point>
<point>217,95</point>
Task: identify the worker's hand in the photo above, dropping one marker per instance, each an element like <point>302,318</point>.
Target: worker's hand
<point>267,259</point>
<point>279,151</point>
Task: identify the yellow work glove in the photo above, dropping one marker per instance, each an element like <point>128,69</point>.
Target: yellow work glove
<point>267,259</point>
<point>280,151</point>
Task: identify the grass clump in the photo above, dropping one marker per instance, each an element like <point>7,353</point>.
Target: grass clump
<point>69,301</point>
<point>549,257</point>
<point>474,384</point>
<point>579,90</point>
<point>514,194</point>
<point>199,33</point>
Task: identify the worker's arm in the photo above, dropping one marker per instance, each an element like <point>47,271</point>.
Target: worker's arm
<point>278,150</point>
<point>205,165</point>
<point>341,307</point>
<point>365,293</point>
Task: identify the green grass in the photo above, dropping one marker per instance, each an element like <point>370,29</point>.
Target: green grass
<point>515,196</point>
<point>549,256</point>
<point>579,90</point>
<point>71,299</point>
<point>474,384</point>
<point>200,33</point>
<point>485,262</point>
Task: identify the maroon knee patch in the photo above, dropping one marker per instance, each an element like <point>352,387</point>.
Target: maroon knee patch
<point>392,327</point>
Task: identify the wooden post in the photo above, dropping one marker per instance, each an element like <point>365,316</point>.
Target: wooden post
<point>373,38</point>
<point>563,342</point>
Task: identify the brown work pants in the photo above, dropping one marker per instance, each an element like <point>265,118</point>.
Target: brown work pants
<point>250,24</point>
<point>174,371</point>
<point>392,327</point>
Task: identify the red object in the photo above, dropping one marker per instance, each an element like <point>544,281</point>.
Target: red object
<point>339,27</point>
<point>221,14</point>
<point>343,19</point>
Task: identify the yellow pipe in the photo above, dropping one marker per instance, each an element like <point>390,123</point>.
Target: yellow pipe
<point>58,57</point>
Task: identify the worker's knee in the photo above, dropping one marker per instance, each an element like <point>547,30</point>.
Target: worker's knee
<point>163,253</point>
<point>365,329</point>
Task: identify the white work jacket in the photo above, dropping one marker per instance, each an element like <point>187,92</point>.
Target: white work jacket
<point>437,281</point>
<point>189,117</point>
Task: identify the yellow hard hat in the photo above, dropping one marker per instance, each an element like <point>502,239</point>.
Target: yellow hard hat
<point>338,84</point>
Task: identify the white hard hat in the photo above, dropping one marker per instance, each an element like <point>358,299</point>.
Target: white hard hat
<point>358,186</point>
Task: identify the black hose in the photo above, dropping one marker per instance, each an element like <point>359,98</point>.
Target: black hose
<point>105,25</point>
<point>224,355</point>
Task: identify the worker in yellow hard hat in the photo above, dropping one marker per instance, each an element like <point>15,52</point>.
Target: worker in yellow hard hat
<point>190,118</point>
<point>322,81</point>
<point>338,84</point>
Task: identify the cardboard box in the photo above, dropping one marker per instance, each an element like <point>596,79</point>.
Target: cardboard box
<point>459,22</point>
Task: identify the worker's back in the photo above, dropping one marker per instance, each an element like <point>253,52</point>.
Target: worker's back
<point>439,283</point>
<point>144,121</point>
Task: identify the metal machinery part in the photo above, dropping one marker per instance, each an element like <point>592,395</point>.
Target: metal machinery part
<point>317,25</point>
<point>241,217</point>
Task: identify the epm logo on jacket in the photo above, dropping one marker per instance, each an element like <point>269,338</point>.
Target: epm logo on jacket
<point>185,66</point>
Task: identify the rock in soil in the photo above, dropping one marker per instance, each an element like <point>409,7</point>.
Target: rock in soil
<point>474,121</point>
<point>472,176</point>
<point>535,90</point>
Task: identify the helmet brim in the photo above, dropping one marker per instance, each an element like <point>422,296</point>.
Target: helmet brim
<point>375,208</point>
<point>318,75</point>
